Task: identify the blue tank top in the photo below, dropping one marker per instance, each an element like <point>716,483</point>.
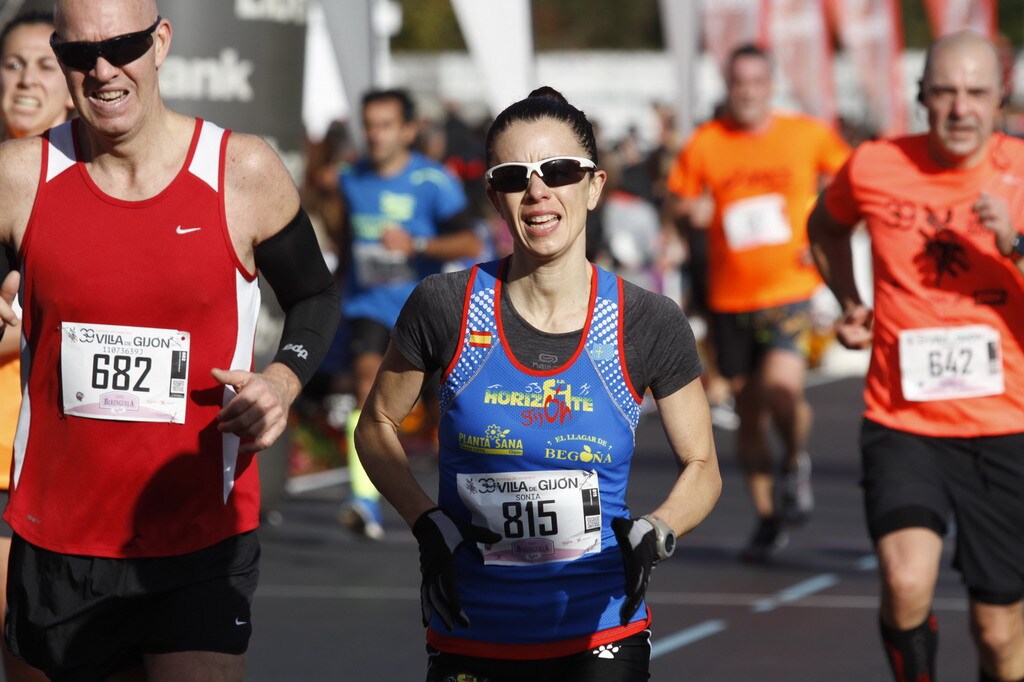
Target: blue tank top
<point>543,458</point>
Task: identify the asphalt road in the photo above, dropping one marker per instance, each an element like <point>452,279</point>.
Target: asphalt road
<point>333,607</point>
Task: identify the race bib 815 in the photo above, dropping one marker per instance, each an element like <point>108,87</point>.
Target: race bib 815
<point>542,516</point>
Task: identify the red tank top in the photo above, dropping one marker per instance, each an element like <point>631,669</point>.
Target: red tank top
<point>112,488</point>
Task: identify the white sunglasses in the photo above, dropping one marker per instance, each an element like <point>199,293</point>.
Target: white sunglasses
<point>557,171</point>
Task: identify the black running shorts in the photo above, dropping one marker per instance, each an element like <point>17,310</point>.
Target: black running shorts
<point>367,336</point>
<point>84,618</point>
<point>742,340</point>
<point>5,529</point>
<point>627,660</point>
<point>913,481</point>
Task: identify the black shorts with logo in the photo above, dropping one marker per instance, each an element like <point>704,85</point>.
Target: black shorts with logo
<point>84,618</point>
<point>741,340</point>
<point>627,660</point>
<point>913,481</point>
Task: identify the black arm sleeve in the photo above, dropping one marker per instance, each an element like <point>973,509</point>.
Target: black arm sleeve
<point>292,264</point>
<point>459,222</point>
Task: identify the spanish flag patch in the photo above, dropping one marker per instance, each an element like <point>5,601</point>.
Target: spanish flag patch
<point>479,339</point>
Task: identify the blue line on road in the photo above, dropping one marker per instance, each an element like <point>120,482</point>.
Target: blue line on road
<point>664,645</point>
<point>795,593</point>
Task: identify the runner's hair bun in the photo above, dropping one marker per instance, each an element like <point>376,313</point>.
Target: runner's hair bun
<point>548,92</point>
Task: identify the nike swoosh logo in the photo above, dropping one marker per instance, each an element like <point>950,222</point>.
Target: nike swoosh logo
<point>184,230</point>
<point>238,621</point>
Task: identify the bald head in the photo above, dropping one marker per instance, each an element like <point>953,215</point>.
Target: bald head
<point>116,91</point>
<point>962,89</point>
<point>64,9</point>
<point>961,47</point>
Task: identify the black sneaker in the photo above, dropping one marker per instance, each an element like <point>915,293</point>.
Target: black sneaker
<point>767,540</point>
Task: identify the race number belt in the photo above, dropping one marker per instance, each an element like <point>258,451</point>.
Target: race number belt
<point>135,374</point>
<point>944,363</point>
<point>542,516</point>
<point>376,266</point>
<point>756,221</point>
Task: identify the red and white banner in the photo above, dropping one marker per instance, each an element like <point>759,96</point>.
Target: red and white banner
<point>796,34</point>
<point>871,31</point>
<point>799,40</point>
<point>948,16</point>
<point>681,24</point>
<point>728,24</point>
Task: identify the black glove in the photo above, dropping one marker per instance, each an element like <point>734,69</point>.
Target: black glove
<point>639,546</point>
<point>440,535</point>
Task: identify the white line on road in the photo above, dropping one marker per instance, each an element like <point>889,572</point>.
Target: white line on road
<point>837,601</point>
<point>664,645</point>
<point>819,378</point>
<point>296,485</point>
<point>867,563</point>
<point>795,592</point>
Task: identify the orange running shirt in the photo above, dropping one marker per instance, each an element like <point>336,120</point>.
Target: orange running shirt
<point>937,269</point>
<point>764,185</point>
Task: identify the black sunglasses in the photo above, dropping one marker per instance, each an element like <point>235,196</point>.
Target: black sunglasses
<point>558,171</point>
<point>119,50</point>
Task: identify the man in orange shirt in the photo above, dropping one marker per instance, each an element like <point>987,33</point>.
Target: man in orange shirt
<point>943,431</point>
<point>763,170</point>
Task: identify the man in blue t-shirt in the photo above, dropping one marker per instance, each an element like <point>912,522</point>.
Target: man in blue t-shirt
<point>405,216</point>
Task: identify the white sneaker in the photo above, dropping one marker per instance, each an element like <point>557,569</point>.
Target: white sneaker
<point>357,517</point>
<point>723,415</point>
<point>797,494</point>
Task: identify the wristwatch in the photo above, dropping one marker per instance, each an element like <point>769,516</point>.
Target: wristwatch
<point>1017,248</point>
<point>665,536</point>
<point>419,245</point>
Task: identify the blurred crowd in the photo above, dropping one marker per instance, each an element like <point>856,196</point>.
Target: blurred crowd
<point>634,234</point>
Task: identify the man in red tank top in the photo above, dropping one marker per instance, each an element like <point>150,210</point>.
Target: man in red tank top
<point>141,233</point>
<point>942,434</point>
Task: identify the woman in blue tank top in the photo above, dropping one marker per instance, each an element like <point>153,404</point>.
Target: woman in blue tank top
<point>533,566</point>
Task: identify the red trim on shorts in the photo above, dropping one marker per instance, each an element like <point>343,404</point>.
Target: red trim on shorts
<point>535,651</point>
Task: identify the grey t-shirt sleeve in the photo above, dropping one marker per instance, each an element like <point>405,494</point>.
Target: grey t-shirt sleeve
<point>661,353</point>
<point>427,331</point>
